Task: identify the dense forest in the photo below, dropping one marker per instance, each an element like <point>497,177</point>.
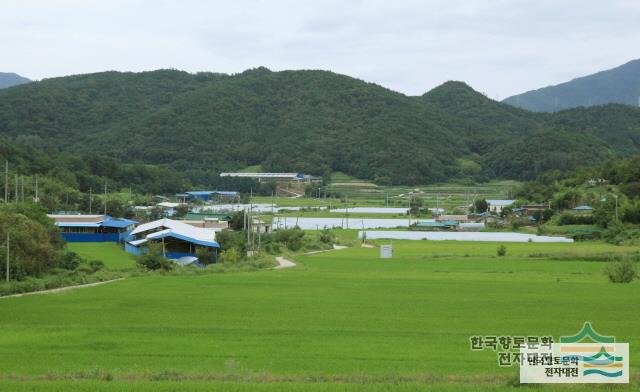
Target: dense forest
<point>315,122</point>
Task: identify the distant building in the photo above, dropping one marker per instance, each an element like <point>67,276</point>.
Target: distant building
<point>180,241</point>
<point>530,209</point>
<point>454,218</point>
<point>270,176</point>
<point>496,206</point>
<point>207,196</point>
<point>583,209</point>
<point>168,208</point>
<point>92,228</point>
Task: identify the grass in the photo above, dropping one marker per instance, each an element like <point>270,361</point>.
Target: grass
<point>112,255</point>
<point>342,320</point>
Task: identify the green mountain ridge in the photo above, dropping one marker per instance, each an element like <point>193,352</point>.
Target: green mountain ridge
<point>308,121</point>
<point>618,85</point>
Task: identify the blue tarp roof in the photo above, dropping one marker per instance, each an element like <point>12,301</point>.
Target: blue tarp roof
<point>120,223</point>
<point>583,207</point>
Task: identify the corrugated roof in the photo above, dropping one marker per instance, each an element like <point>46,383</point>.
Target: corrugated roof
<point>500,202</point>
<point>177,229</point>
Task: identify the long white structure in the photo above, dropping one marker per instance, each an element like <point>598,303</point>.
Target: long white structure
<point>267,176</point>
<point>459,236</point>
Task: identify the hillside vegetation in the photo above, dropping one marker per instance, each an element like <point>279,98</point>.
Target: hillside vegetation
<point>315,122</point>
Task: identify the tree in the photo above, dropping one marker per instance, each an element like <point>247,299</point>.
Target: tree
<point>480,206</point>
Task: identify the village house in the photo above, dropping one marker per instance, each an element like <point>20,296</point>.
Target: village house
<point>92,228</point>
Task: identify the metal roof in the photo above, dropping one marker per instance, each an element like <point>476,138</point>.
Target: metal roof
<point>120,223</point>
<point>177,229</point>
<point>500,202</point>
<point>583,207</point>
<point>263,175</point>
<point>91,221</point>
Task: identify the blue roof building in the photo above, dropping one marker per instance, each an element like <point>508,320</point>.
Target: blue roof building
<point>93,228</point>
<point>207,195</point>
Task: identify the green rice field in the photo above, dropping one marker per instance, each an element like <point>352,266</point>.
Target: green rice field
<point>342,320</point>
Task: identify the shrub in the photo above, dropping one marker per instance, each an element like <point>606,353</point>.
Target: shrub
<point>71,261</point>
<point>502,250</point>
<point>206,256</point>
<point>96,265</point>
<point>326,236</point>
<point>621,271</point>
<point>231,255</point>
<point>152,259</point>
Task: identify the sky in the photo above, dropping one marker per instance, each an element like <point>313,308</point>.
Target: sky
<point>499,47</point>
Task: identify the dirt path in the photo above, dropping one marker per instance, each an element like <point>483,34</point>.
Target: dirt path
<point>284,263</point>
<point>61,289</point>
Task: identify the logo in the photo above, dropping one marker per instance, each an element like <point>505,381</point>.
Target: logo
<point>586,357</point>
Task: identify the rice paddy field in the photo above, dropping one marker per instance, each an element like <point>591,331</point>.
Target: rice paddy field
<point>342,320</point>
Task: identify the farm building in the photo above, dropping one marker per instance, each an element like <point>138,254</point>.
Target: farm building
<point>92,228</point>
<point>437,225</point>
<point>583,209</point>
<point>179,240</point>
<point>168,208</point>
<point>496,206</point>
<point>530,209</point>
<point>455,218</point>
<point>207,196</point>
<point>270,176</point>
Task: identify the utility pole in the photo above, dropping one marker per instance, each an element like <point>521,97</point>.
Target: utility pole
<point>90,199</point>
<point>346,211</point>
<point>105,197</point>
<point>409,205</point>
<point>616,197</point>
<point>6,182</point>
<point>22,187</point>
<point>36,198</point>
<point>17,200</point>
<point>8,240</point>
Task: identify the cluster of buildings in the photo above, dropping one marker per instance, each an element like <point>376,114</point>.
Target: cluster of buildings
<point>475,222</point>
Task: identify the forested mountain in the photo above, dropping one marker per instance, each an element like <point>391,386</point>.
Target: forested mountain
<point>308,121</point>
<point>617,85</point>
<point>11,79</point>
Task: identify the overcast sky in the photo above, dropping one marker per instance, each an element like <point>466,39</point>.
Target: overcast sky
<point>500,47</point>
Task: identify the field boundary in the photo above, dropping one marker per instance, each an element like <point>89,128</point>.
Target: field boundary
<point>61,289</point>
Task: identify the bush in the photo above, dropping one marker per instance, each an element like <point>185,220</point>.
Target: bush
<point>568,218</point>
<point>206,256</point>
<point>231,255</point>
<point>621,271</point>
<point>152,259</point>
<point>326,236</point>
<point>96,265</point>
<point>71,261</point>
<point>502,250</point>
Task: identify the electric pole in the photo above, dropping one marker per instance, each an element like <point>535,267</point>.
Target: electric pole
<point>8,240</point>
<point>6,182</point>
<point>105,197</point>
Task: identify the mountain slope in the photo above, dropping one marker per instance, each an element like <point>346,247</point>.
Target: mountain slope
<point>617,85</point>
<point>308,121</point>
<point>11,79</point>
